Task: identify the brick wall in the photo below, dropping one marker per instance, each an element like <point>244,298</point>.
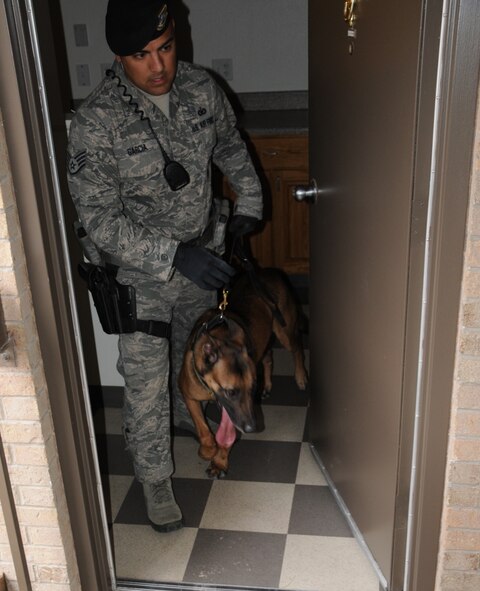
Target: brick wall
<point>459,559</point>
<point>26,425</point>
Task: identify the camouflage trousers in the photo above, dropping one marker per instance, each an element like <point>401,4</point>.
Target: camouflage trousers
<point>150,367</point>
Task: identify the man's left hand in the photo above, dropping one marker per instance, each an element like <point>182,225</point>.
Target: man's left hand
<point>242,224</point>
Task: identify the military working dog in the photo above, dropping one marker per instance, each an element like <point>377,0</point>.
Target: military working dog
<point>224,350</point>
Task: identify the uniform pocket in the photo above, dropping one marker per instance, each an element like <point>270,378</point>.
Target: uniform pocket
<point>140,160</point>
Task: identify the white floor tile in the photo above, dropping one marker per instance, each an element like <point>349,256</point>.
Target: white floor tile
<point>249,506</point>
<point>326,564</point>
<point>308,470</point>
<point>143,554</point>
<point>282,423</point>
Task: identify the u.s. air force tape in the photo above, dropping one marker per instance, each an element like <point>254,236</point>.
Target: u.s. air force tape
<point>77,162</point>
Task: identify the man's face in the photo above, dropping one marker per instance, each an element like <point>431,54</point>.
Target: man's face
<point>153,68</point>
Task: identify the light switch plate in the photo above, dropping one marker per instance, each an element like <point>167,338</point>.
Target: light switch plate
<point>83,75</point>
<point>80,34</point>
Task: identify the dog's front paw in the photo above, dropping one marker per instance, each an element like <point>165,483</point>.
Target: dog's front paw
<point>265,394</point>
<point>207,452</point>
<point>215,472</point>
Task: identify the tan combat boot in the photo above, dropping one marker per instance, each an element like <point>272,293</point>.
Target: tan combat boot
<point>162,510</point>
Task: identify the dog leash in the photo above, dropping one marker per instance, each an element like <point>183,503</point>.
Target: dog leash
<point>238,249</point>
<point>222,306</point>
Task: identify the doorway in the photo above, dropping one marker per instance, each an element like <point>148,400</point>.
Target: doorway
<point>283,517</point>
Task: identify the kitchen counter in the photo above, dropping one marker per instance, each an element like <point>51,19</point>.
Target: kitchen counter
<point>277,122</point>
<point>272,113</point>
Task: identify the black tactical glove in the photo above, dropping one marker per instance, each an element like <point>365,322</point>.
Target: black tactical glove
<point>202,267</point>
<point>242,224</point>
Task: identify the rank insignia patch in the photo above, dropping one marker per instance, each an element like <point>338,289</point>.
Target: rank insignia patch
<point>77,162</point>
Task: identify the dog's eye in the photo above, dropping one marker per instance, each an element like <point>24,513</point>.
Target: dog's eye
<point>231,394</point>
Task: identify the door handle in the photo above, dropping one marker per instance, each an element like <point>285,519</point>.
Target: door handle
<point>307,193</point>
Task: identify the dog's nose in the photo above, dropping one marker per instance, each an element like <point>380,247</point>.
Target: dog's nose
<point>250,427</point>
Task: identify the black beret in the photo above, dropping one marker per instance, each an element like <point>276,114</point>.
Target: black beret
<point>130,25</point>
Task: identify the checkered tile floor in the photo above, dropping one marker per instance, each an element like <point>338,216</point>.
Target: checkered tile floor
<point>272,523</point>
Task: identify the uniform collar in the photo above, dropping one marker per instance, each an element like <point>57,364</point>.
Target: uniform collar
<point>138,97</point>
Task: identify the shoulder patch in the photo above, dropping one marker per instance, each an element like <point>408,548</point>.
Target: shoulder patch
<point>77,162</point>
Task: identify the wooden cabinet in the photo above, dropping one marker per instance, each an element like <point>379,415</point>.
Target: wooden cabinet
<point>283,241</point>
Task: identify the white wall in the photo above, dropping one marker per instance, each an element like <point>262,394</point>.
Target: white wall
<point>266,39</point>
<point>91,13</point>
<point>106,346</point>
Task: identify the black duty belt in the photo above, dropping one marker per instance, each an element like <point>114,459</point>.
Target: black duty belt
<point>155,328</point>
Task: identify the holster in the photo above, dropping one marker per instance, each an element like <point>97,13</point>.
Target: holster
<point>116,303</point>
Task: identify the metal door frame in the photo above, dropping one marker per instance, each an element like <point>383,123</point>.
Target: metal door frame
<point>34,185</point>
<point>429,368</point>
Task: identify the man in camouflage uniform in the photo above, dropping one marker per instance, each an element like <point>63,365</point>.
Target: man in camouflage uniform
<point>148,111</point>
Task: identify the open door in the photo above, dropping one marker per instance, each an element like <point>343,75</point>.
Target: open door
<point>365,90</point>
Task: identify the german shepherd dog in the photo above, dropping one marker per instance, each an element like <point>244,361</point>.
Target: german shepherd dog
<point>223,352</point>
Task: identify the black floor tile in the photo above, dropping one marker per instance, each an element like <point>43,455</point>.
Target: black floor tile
<point>315,513</point>
<point>177,432</point>
<point>285,392</point>
<point>113,458</point>
<point>236,558</point>
<point>191,496</point>
<point>132,511</point>
<point>264,461</point>
<point>106,396</point>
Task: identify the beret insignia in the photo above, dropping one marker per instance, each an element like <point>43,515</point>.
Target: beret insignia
<point>162,18</point>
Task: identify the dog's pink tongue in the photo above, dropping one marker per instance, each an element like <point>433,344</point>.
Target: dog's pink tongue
<point>225,435</point>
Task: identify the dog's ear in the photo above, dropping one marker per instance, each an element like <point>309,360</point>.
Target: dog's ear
<point>235,331</point>
<point>210,353</point>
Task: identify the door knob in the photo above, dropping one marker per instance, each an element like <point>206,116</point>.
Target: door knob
<point>308,193</point>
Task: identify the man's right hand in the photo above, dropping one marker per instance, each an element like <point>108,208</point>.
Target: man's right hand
<point>202,267</point>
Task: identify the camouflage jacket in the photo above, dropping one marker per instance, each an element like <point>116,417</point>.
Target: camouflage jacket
<point>115,168</point>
